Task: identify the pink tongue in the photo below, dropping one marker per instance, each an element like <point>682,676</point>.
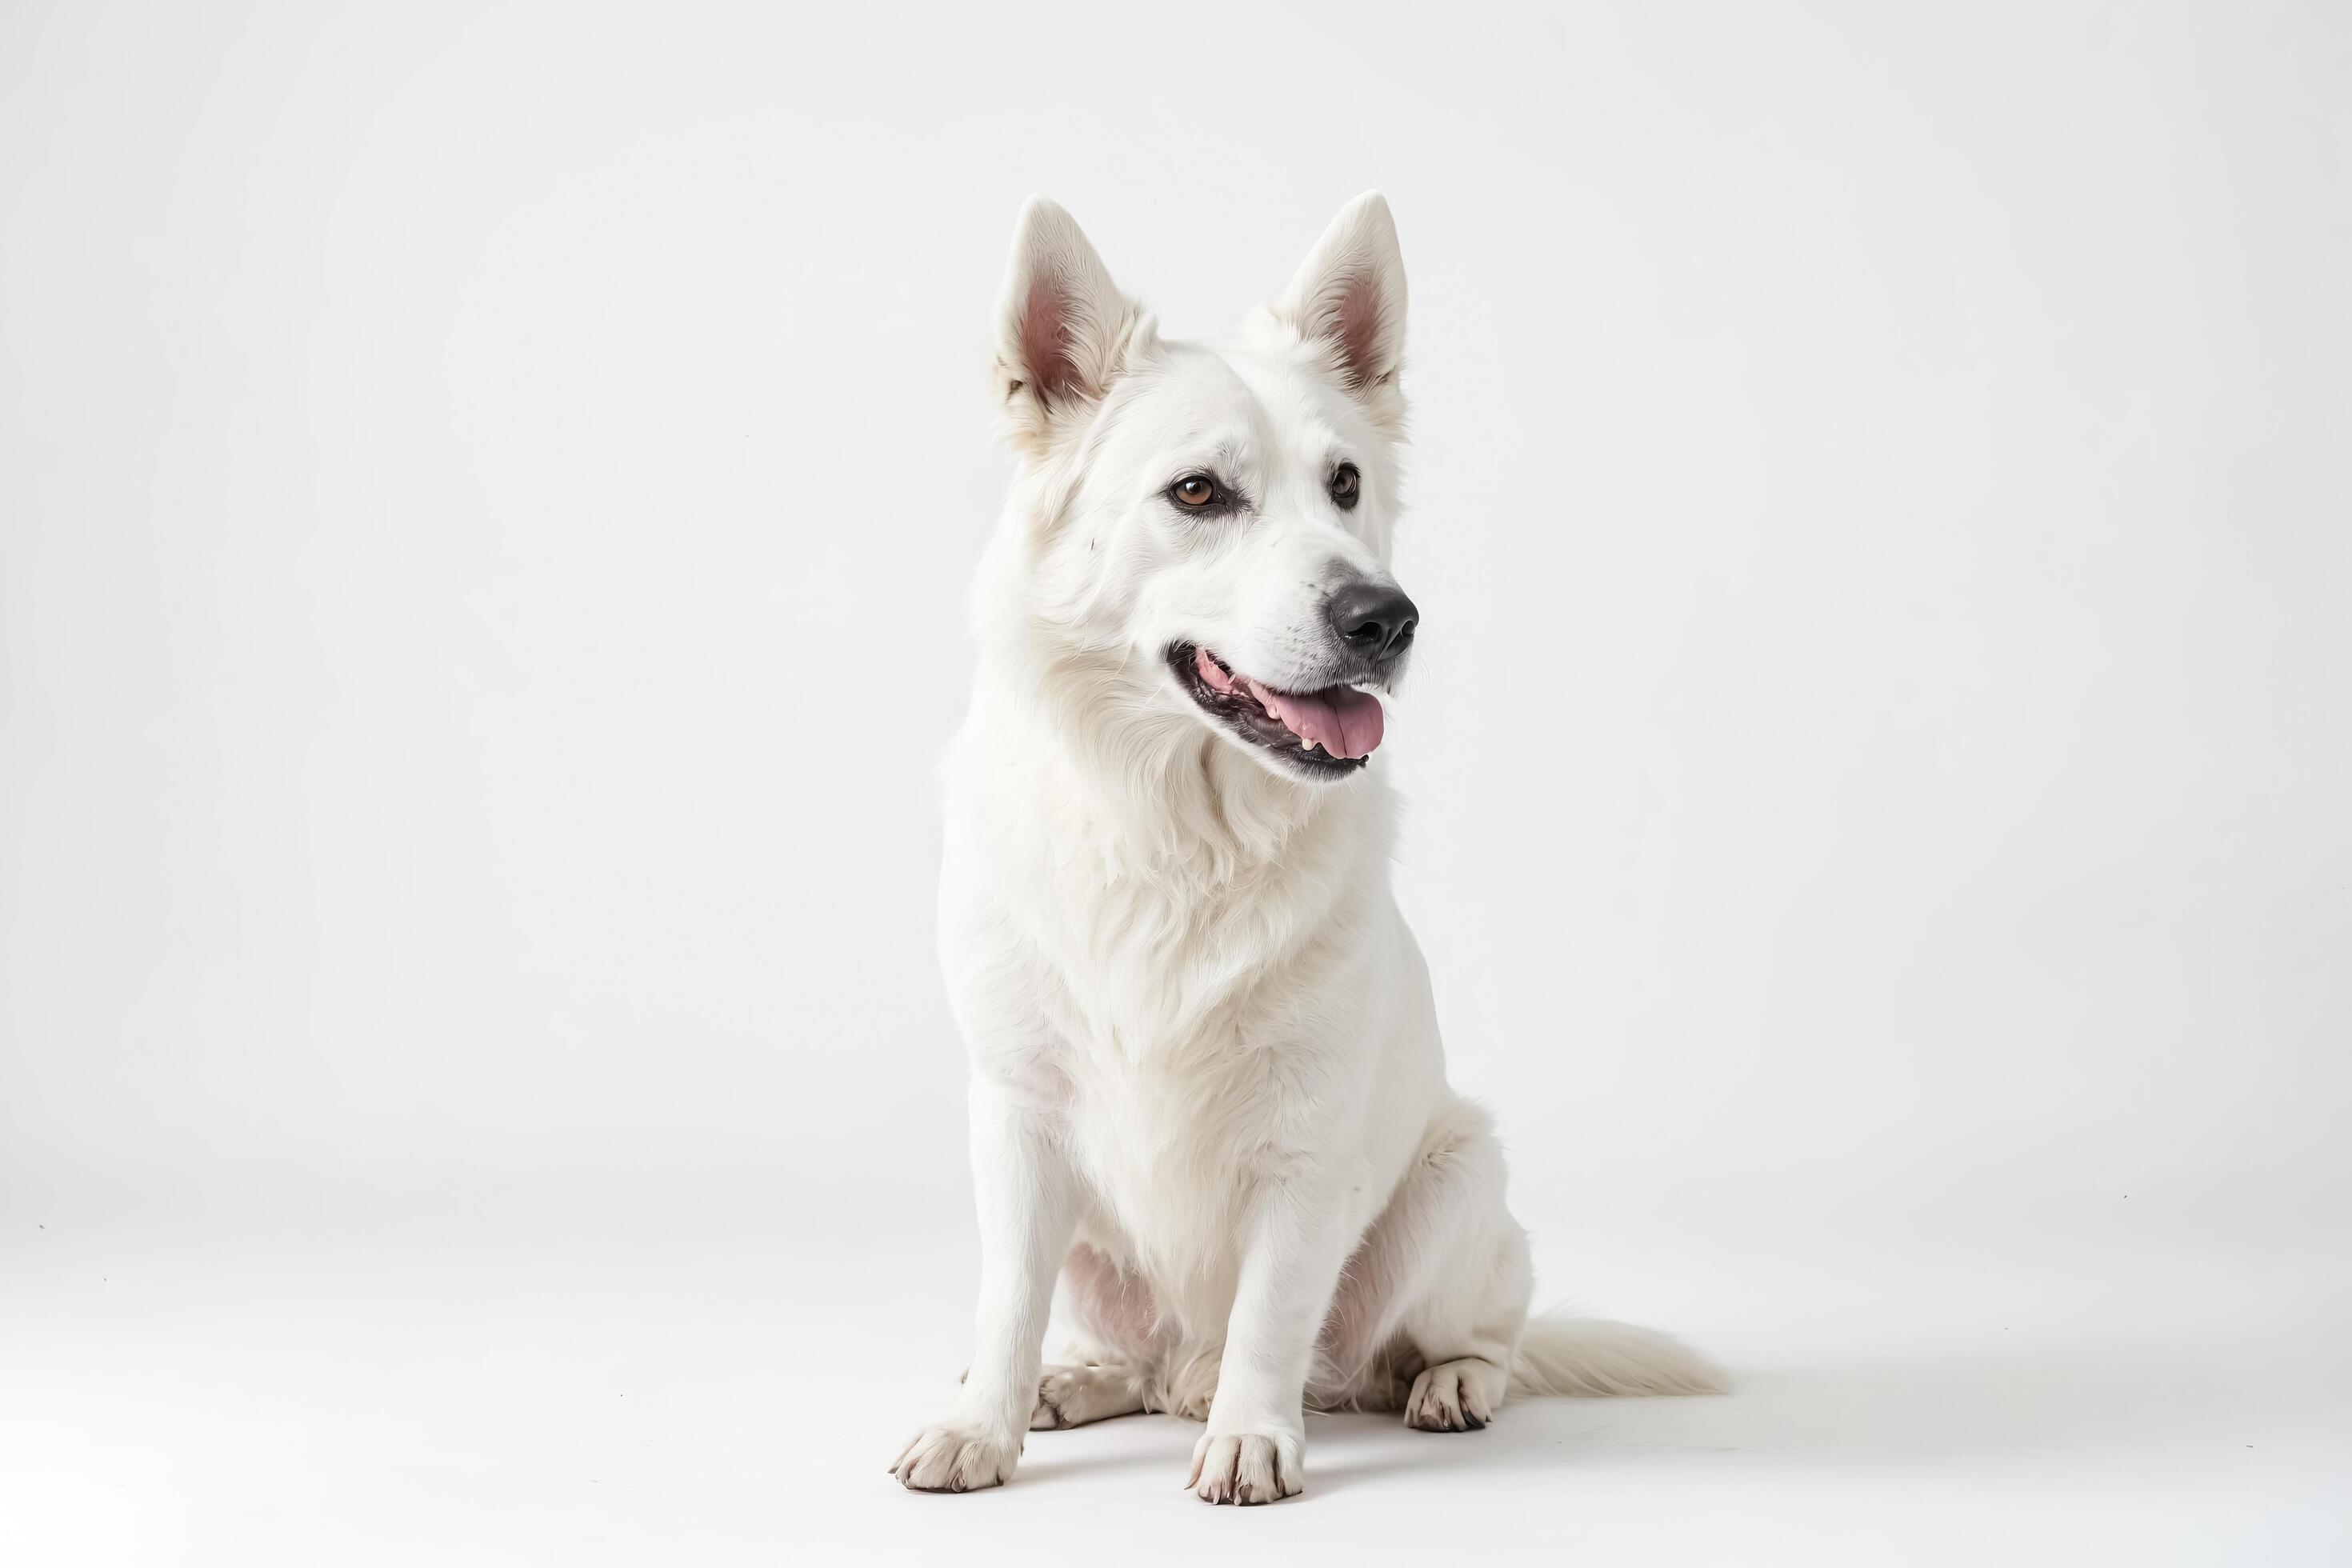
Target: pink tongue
<point>1343,720</point>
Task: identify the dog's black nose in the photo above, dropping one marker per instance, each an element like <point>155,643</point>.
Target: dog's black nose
<point>1374,619</point>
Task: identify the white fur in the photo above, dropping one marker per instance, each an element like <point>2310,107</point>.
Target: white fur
<point>1206,1073</point>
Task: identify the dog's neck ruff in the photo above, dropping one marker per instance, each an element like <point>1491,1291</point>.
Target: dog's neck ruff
<point>1157,793</point>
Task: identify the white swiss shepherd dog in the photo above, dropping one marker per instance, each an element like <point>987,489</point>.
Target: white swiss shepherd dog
<point>1207,1089</point>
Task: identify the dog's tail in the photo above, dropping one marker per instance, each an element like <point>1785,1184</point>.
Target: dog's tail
<point>1595,1356</point>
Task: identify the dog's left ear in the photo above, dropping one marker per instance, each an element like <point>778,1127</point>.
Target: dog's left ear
<point>1349,295</point>
<point>1063,329</point>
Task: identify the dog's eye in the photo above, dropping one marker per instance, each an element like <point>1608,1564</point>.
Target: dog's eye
<point>1195,491</point>
<point>1346,483</point>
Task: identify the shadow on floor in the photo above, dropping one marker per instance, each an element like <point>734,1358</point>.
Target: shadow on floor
<point>1889,1411</point>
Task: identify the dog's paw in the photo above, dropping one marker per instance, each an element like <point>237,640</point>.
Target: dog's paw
<point>1454,1397</point>
<point>956,1460</point>
<point>1247,1467</point>
<point>1061,1395</point>
<point>1074,1395</point>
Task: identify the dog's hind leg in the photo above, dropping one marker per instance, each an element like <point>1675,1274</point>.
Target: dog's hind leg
<point>1465,1321</point>
<point>1074,1395</point>
<point>1119,1345</point>
<point>1438,1290</point>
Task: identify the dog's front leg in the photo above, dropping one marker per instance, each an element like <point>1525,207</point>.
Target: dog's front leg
<point>1024,1183</point>
<point>1255,1448</point>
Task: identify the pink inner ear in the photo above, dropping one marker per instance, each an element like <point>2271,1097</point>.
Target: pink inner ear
<point>1356,326</point>
<point>1046,341</point>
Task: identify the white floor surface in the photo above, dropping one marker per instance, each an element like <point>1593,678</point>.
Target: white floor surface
<point>498,1393</point>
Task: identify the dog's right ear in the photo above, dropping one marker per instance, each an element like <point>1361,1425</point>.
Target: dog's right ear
<point>1063,329</point>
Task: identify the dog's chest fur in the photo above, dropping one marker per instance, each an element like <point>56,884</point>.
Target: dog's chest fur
<point>1189,998</point>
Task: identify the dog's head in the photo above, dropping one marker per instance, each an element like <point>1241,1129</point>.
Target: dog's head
<point>1205,528</point>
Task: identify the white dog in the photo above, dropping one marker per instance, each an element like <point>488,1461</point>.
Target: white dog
<point>1207,1089</point>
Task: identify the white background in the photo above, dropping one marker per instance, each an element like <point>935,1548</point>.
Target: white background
<point>486,494</point>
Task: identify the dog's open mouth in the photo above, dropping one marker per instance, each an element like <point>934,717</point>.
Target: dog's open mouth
<point>1332,731</point>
